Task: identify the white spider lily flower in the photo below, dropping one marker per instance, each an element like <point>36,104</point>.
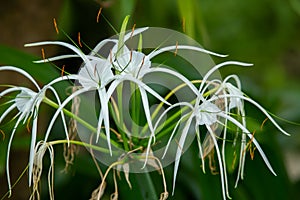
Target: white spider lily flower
<point>237,98</point>
<point>137,64</point>
<point>227,88</point>
<point>91,77</point>
<point>27,102</point>
<point>205,112</point>
<point>96,74</point>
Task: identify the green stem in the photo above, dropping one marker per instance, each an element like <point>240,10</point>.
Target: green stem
<point>135,108</point>
<point>100,149</point>
<point>121,124</point>
<point>78,119</point>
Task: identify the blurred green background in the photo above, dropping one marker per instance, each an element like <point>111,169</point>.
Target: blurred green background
<point>263,32</point>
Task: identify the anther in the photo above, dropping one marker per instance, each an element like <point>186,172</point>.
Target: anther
<point>55,25</point>
<point>263,123</point>
<point>79,40</point>
<point>98,15</point>
<point>62,70</point>
<point>43,54</point>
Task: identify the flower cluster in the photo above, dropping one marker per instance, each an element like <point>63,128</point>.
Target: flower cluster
<point>215,104</point>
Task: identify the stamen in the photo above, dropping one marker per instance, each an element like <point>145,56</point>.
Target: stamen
<point>55,25</point>
<point>252,149</point>
<point>98,15</point>
<point>132,31</point>
<point>79,40</point>
<point>62,70</point>
<point>252,153</point>
<point>263,123</point>
<point>176,50</point>
<point>141,65</point>
<point>43,54</point>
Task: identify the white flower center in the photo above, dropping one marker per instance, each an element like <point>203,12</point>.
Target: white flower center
<point>206,113</point>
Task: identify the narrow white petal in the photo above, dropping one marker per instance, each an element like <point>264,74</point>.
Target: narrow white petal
<point>245,130</point>
<point>73,48</point>
<point>105,114</point>
<point>258,106</point>
<point>56,58</point>
<point>141,84</point>
<point>261,152</point>
<point>7,111</point>
<point>216,67</point>
<point>186,47</point>
<point>9,90</point>
<point>134,33</point>
<point>96,50</point>
<point>168,109</point>
<point>176,74</point>
<point>21,71</point>
<point>8,153</point>
<point>62,113</point>
<point>200,147</point>
<point>58,111</point>
<point>32,144</point>
<point>149,121</point>
<point>172,135</point>
<point>180,149</point>
<point>222,168</point>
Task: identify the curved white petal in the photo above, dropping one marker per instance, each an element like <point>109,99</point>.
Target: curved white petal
<point>21,71</point>
<point>73,48</point>
<point>245,130</point>
<point>259,107</point>
<point>216,67</point>
<point>104,115</point>
<point>185,47</point>
<point>180,149</point>
<point>178,75</point>
<point>221,167</point>
<point>58,111</point>
<point>7,111</point>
